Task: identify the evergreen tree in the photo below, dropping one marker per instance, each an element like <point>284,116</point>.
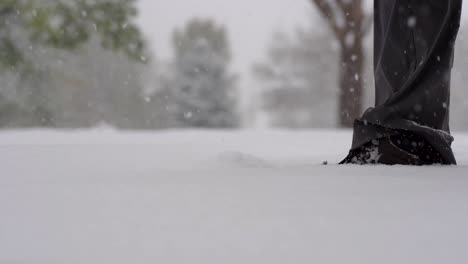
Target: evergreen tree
<point>202,93</point>
<point>29,28</point>
<point>67,25</point>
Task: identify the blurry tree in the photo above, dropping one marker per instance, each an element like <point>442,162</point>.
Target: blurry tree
<point>28,27</point>
<point>8,110</point>
<point>459,93</point>
<point>68,24</point>
<point>95,86</point>
<point>160,104</point>
<point>202,92</point>
<point>349,24</point>
<point>27,94</point>
<point>300,80</point>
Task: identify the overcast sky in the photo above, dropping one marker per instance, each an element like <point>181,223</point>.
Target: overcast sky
<point>250,23</point>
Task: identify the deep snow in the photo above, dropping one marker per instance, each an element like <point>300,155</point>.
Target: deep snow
<point>105,197</point>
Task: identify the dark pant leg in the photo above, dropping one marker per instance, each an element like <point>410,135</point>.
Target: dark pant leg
<point>414,47</point>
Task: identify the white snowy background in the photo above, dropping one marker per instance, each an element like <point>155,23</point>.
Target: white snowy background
<point>259,196</point>
<point>222,197</point>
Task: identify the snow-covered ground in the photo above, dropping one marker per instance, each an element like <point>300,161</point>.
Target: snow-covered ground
<point>260,197</point>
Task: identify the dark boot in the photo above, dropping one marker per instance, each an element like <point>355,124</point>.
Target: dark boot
<point>401,149</point>
<point>414,47</point>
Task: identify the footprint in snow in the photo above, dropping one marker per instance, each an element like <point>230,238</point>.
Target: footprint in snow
<point>243,159</point>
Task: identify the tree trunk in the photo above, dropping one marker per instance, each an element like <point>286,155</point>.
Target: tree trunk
<point>351,71</point>
<point>350,34</point>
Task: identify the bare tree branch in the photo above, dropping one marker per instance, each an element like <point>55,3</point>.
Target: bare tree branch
<point>327,11</point>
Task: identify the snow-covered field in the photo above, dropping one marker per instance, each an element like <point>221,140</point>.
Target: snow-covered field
<point>260,197</point>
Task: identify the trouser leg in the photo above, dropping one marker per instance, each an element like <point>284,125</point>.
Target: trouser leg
<point>414,46</point>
